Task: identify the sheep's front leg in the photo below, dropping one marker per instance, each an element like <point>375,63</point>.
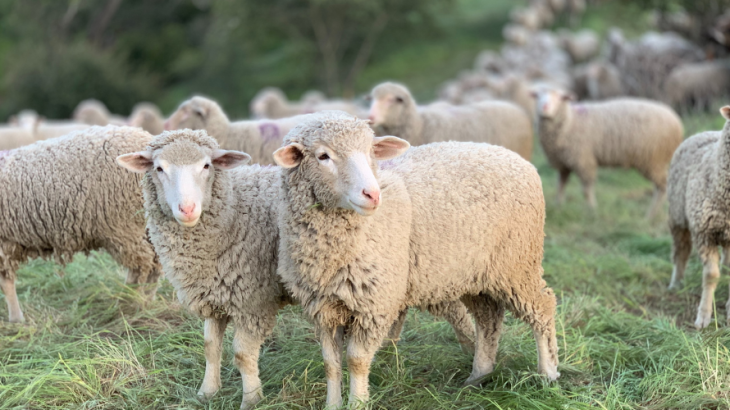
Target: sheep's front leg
<point>332,341</point>
<point>7,283</point>
<point>246,348</point>
<point>213,336</point>
<point>710,277</point>
<point>361,348</point>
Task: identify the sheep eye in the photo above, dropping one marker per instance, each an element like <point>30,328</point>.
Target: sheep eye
<point>206,166</point>
<point>398,99</point>
<point>323,157</point>
<point>159,169</point>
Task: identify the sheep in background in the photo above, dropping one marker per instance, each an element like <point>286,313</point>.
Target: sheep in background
<point>629,133</point>
<point>604,81</point>
<point>148,117</point>
<point>394,112</point>
<point>94,112</point>
<point>43,129</point>
<point>581,45</point>
<point>350,257</point>
<point>698,85</point>
<point>698,189</point>
<point>73,199</point>
<point>271,103</point>
<point>12,137</point>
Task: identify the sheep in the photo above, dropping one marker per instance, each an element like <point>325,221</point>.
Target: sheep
<point>527,17</point>
<point>629,133</point>
<point>42,129</point>
<point>73,199</point>
<point>449,221</point>
<point>258,138</point>
<point>490,62</point>
<point>148,117</point>
<point>12,137</point>
<point>582,45</point>
<point>94,112</point>
<point>698,186</point>
<point>603,81</point>
<point>698,85</point>
<point>272,103</point>
<point>394,112</point>
<point>214,226</point>
<point>516,34</point>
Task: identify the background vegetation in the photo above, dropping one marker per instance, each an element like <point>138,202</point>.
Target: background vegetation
<point>91,343</point>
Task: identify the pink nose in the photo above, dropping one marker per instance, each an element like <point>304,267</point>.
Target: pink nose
<point>187,210</point>
<point>371,117</point>
<point>373,195</point>
<point>167,125</point>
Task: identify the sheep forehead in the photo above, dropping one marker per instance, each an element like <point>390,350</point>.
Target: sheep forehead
<point>342,133</point>
<point>389,89</point>
<point>183,153</point>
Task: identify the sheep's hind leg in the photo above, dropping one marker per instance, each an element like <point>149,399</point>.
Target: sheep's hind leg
<point>213,336</point>
<point>656,202</point>
<point>457,315</point>
<point>488,314</point>
<point>332,341</point>
<point>246,348</point>
<point>681,249</point>
<point>7,283</point>
<point>396,329</point>
<point>710,277</point>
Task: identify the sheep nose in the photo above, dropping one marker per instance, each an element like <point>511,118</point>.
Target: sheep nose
<point>373,195</point>
<point>187,210</point>
<point>371,117</point>
<point>167,125</point>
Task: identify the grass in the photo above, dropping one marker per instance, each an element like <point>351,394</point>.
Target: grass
<point>625,341</point>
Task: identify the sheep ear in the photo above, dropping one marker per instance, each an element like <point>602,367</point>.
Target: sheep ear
<point>568,97</point>
<point>389,147</point>
<point>725,111</point>
<point>229,159</point>
<point>289,156</point>
<point>200,111</point>
<point>139,162</point>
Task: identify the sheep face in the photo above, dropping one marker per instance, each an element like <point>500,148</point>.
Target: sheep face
<point>183,174</point>
<point>340,164</point>
<point>549,101</point>
<point>192,114</point>
<point>389,102</point>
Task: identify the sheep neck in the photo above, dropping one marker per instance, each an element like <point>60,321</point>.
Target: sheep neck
<point>552,130</point>
<point>217,126</point>
<point>410,128</point>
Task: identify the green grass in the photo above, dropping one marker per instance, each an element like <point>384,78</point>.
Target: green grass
<point>625,341</point>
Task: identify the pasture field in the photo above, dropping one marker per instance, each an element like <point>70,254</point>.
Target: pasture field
<point>626,342</point>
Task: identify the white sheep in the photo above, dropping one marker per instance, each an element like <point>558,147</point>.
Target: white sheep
<point>394,112</point>
<point>629,133</point>
<point>698,85</point>
<point>94,112</point>
<point>73,199</point>
<point>354,257</point>
<point>148,117</point>
<point>582,45</point>
<point>698,193</point>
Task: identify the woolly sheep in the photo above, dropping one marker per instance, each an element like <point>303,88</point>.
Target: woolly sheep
<point>215,230</point>
<point>394,112</point>
<point>42,129</point>
<point>347,255</point>
<point>604,81</point>
<point>258,138</point>
<point>73,199</point>
<point>527,17</point>
<point>272,103</point>
<point>12,137</point>
<point>516,34</point>
<point>698,187</point>
<point>148,117</point>
<point>698,85</point>
<point>629,133</point>
<point>581,45</point>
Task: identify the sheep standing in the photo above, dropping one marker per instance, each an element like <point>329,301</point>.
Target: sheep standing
<point>629,133</point>
<point>354,257</point>
<point>394,112</point>
<point>148,117</point>
<point>94,112</point>
<point>699,209</point>
<point>259,138</point>
<point>698,85</point>
<point>73,199</point>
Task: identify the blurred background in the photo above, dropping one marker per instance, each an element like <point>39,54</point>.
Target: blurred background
<point>55,53</point>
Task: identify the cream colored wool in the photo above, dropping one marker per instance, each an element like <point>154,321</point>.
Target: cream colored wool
<point>258,138</point>
<point>94,112</point>
<point>699,209</point>
<point>70,197</point>
<point>148,117</point>
<point>476,236</point>
<point>495,122</point>
<point>14,137</point>
<point>271,103</point>
<point>628,133</point>
<point>698,85</point>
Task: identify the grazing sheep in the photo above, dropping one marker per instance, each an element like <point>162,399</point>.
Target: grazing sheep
<point>148,117</point>
<point>394,112</point>
<point>258,138</point>
<point>73,199</point>
<point>698,85</point>
<point>94,112</point>
<point>215,230</point>
<point>354,257</point>
<point>699,211</point>
<point>629,133</point>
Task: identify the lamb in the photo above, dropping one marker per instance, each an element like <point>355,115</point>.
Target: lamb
<point>94,112</point>
<point>699,210</point>
<point>698,85</point>
<point>629,133</point>
<point>258,138</point>
<point>74,199</point>
<point>148,117</point>
<point>449,221</point>
<point>394,112</point>
<point>214,227</point>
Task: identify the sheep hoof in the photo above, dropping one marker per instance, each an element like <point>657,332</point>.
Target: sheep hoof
<point>17,319</point>
<point>674,286</point>
<point>702,321</point>
<point>205,395</point>
<point>552,374</point>
<point>476,381</point>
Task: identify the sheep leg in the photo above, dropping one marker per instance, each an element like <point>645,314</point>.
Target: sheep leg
<point>458,317</point>
<point>7,283</point>
<point>361,349</point>
<point>681,249</point>
<point>246,348</point>
<point>488,314</point>
<point>656,202</point>
<point>332,341</point>
<point>396,329</point>
<point>213,336</point>
<point>563,176</point>
<point>589,194</point>
<point>710,277</point>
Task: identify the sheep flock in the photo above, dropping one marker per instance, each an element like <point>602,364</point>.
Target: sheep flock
<point>359,210</point>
